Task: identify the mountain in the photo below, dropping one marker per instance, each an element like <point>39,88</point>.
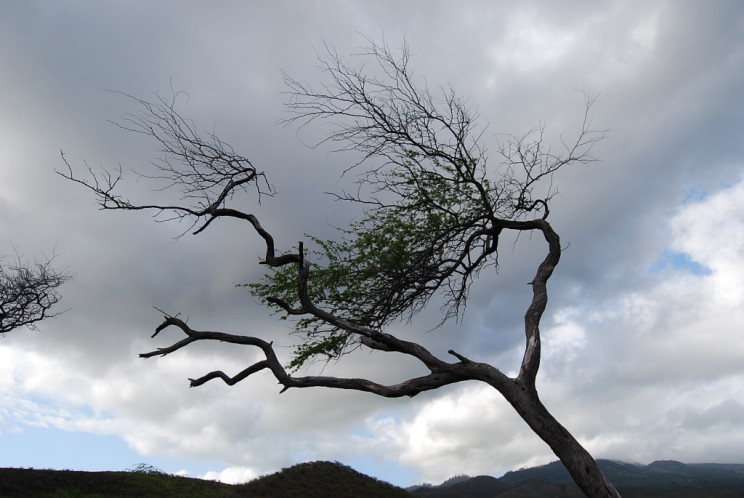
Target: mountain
<point>475,487</point>
<point>662,479</point>
<point>657,480</point>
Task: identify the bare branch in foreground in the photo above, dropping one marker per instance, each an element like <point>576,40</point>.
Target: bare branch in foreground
<point>410,387</point>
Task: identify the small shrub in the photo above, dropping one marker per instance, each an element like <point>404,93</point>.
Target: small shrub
<point>146,468</point>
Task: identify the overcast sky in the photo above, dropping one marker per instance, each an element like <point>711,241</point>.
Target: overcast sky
<point>644,345</point>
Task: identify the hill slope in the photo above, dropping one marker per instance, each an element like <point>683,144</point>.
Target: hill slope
<point>326,479</point>
<point>307,480</point>
<point>68,483</point>
<point>320,480</point>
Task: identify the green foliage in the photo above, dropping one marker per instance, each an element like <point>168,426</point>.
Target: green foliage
<point>428,234</point>
<point>433,209</point>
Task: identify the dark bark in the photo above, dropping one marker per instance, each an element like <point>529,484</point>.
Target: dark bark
<point>579,463</point>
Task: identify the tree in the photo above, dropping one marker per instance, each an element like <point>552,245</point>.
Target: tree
<point>434,211</point>
<point>27,292</point>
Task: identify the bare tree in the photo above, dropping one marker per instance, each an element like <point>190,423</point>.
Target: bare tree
<point>434,211</point>
<point>27,292</point>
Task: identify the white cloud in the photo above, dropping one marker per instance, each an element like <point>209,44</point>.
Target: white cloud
<point>529,46</point>
<point>649,373</point>
<point>231,475</point>
<point>566,338</point>
<point>710,231</point>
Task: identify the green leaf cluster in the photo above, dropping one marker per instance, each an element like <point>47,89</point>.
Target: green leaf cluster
<point>387,265</point>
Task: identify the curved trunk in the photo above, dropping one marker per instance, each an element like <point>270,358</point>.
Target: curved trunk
<point>580,464</point>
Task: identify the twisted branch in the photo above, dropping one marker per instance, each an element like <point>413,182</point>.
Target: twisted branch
<point>449,374</point>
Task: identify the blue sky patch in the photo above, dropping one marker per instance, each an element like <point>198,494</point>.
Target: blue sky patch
<point>49,448</point>
<point>679,261</point>
<point>693,195</point>
<point>390,471</point>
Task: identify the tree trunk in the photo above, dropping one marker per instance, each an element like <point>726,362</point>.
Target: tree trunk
<point>580,464</point>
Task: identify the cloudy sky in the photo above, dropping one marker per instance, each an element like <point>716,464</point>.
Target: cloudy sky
<point>644,333</point>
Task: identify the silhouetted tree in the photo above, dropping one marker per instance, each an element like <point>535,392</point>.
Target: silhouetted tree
<point>27,292</point>
<point>434,212</point>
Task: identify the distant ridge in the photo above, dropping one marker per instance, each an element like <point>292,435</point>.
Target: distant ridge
<point>661,479</point>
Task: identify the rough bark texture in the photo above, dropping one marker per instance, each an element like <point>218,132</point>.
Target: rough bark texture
<point>579,463</point>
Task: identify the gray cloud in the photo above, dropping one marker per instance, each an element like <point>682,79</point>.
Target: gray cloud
<point>640,365</point>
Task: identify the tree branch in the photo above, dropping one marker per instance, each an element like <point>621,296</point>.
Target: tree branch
<point>28,291</point>
<point>411,387</point>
